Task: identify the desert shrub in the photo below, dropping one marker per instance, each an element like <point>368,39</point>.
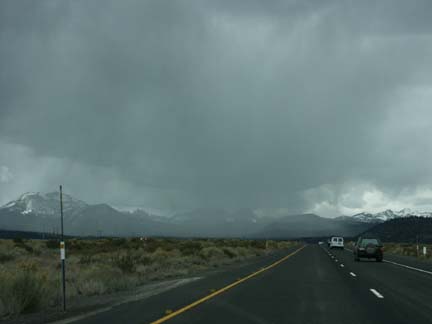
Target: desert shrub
<point>168,245</point>
<point>242,251</point>
<point>160,255</point>
<point>134,242</point>
<point>27,266</point>
<point>212,252</point>
<point>75,245</point>
<point>22,245</point>
<point>126,263</point>
<point>85,259</point>
<point>22,292</point>
<point>151,245</point>
<point>229,252</point>
<point>243,243</point>
<point>284,244</point>
<point>98,279</point>
<point>190,247</point>
<point>25,247</point>
<point>144,260</point>
<point>272,244</point>
<point>6,257</point>
<point>109,244</point>
<point>258,244</point>
<point>91,287</point>
<point>28,248</point>
<point>18,240</point>
<point>119,242</point>
<point>52,244</point>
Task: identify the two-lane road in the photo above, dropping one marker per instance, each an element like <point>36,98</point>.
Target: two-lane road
<point>314,285</point>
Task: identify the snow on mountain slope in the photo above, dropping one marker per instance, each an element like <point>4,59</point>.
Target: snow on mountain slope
<point>46,204</point>
<point>388,214</point>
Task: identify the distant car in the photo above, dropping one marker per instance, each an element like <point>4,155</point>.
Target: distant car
<point>320,242</point>
<point>370,248</point>
<point>336,242</point>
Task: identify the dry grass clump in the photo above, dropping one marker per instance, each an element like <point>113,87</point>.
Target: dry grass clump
<point>30,269</point>
<point>409,249</point>
<point>23,290</point>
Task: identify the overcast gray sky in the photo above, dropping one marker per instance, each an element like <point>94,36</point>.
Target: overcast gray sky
<point>322,106</point>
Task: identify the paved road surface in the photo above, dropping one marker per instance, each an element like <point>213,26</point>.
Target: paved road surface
<point>314,285</point>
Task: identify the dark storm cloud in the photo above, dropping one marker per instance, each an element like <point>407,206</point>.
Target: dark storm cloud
<point>228,103</point>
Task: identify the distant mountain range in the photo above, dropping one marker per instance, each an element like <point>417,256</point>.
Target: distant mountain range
<point>311,225</point>
<point>39,212</point>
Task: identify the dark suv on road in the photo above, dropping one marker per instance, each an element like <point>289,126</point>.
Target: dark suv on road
<point>370,248</point>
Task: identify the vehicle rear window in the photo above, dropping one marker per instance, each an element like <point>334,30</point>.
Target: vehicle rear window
<point>340,239</point>
<point>365,242</point>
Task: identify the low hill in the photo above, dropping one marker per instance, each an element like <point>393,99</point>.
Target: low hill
<point>4,234</point>
<point>406,229</point>
<point>311,225</point>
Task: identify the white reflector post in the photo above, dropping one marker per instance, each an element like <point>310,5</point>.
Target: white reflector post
<point>62,250</point>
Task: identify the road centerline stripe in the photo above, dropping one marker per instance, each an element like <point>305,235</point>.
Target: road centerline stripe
<point>376,293</point>
<point>218,292</point>
<point>353,274</point>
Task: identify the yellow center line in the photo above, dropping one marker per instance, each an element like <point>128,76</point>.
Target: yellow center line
<point>217,292</point>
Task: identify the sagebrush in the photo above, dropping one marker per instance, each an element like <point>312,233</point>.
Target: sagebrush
<point>30,269</point>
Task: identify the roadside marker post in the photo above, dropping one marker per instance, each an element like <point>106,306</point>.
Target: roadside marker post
<point>62,252</point>
<point>424,250</point>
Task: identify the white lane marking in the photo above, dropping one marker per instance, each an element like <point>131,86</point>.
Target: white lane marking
<point>408,267</point>
<point>376,293</point>
<point>336,260</point>
<point>401,265</point>
<point>353,274</point>
<point>342,265</point>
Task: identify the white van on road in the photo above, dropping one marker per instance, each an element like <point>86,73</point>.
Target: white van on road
<point>336,242</point>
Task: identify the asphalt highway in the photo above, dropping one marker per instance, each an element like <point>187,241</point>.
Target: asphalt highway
<point>307,285</point>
